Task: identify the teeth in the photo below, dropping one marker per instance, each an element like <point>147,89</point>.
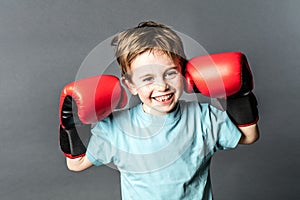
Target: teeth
<point>163,98</point>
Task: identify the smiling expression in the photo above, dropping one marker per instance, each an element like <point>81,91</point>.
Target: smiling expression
<point>157,80</point>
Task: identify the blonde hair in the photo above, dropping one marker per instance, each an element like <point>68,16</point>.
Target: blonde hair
<point>147,36</point>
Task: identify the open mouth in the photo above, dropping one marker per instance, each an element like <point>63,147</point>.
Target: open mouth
<point>163,98</point>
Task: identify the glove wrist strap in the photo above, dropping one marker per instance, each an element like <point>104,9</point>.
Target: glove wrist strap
<point>71,144</point>
<point>242,110</point>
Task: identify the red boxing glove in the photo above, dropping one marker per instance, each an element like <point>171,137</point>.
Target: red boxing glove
<point>225,76</point>
<point>83,102</point>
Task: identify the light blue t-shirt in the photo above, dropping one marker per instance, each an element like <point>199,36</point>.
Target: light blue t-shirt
<point>163,157</point>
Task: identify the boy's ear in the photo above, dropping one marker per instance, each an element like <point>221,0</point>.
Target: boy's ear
<point>131,87</point>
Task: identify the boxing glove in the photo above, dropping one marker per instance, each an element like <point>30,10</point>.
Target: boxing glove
<point>226,76</point>
<point>84,102</point>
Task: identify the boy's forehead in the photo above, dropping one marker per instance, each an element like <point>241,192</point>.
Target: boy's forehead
<point>151,68</point>
<point>151,59</point>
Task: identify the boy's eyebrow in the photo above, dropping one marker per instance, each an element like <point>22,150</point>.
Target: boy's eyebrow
<point>173,67</point>
<point>145,75</point>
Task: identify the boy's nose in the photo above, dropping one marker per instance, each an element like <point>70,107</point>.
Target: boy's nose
<point>161,85</point>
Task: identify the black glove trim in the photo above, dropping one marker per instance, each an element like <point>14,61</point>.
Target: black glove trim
<point>243,109</point>
<point>70,143</point>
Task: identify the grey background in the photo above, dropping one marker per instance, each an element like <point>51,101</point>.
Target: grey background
<point>42,44</point>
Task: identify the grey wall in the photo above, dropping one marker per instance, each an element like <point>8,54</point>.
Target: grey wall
<point>43,43</point>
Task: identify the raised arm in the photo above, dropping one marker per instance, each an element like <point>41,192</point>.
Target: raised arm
<point>250,134</point>
<point>227,76</point>
<point>82,103</point>
<point>78,164</point>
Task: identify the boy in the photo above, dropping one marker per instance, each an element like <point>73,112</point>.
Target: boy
<point>163,146</point>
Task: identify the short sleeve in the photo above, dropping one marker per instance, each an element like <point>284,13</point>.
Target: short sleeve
<point>225,133</point>
<point>99,150</point>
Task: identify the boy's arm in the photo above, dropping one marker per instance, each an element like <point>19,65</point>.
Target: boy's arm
<point>78,164</point>
<point>250,134</point>
<point>227,76</point>
<point>84,102</point>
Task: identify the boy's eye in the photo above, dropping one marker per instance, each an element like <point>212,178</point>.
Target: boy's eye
<point>171,74</point>
<point>148,79</point>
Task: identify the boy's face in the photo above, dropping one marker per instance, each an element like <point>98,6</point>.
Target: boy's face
<point>157,80</point>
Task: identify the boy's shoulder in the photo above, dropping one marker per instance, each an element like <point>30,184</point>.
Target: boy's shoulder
<point>120,115</point>
<point>199,107</point>
<point>193,105</point>
<point>115,120</point>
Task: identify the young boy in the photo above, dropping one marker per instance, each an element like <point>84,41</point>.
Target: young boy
<point>163,146</point>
